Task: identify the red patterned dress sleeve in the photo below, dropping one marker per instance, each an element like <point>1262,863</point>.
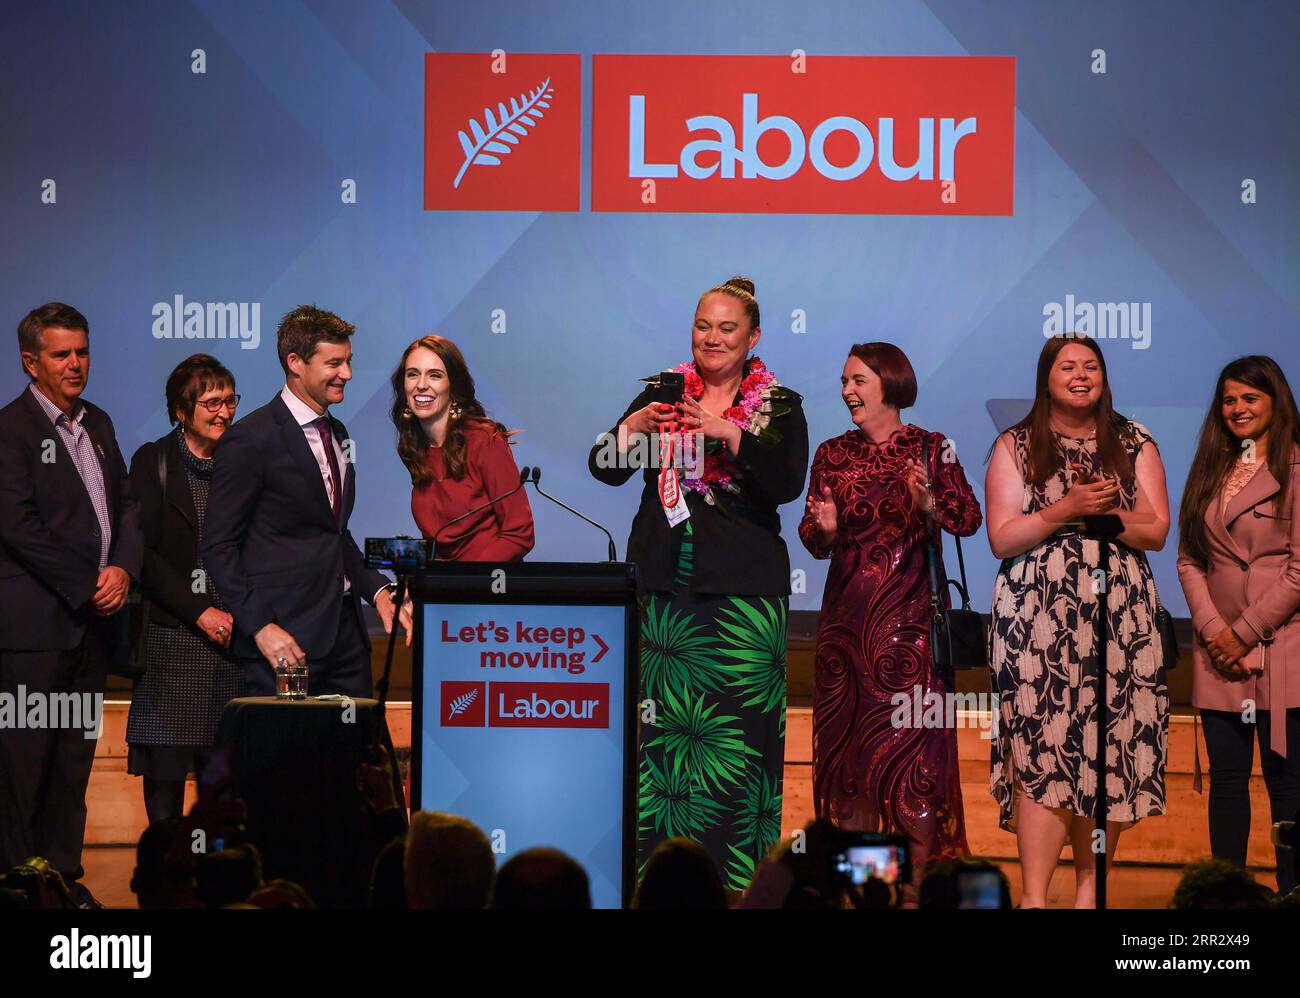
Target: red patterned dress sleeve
<point>808,532</point>
<point>955,506</point>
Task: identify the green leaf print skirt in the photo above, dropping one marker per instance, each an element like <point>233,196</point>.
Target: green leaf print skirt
<point>712,722</point>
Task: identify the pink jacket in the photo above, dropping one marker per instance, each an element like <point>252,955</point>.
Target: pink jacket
<point>1251,583</point>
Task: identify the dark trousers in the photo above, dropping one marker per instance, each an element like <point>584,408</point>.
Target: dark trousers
<point>1230,742</point>
<point>44,771</point>
<point>345,670</point>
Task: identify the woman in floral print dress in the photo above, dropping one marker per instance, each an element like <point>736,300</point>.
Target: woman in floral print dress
<point>1073,456</point>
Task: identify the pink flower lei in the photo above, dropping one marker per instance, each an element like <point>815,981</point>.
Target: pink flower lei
<point>755,391</point>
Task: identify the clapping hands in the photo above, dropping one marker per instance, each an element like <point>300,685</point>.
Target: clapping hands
<point>821,507</point>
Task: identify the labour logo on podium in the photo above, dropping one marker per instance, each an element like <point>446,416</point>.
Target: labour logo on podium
<point>503,132</point>
<point>549,705</point>
<point>464,704</point>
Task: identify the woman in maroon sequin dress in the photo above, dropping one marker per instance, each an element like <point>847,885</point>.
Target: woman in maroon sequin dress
<point>865,511</point>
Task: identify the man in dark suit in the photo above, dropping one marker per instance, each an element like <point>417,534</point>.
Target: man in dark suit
<point>70,544</point>
<point>276,540</point>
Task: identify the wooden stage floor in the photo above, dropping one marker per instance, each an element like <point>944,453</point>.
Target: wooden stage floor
<point>1151,855</point>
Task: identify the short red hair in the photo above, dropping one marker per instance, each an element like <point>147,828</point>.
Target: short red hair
<point>893,368</point>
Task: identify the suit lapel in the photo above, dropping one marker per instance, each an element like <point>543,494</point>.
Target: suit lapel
<point>295,441</point>
<point>63,464</point>
<point>177,485</point>
<point>1261,485</point>
<point>349,478</point>
<point>1218,522</point>
<point>1215,527</point>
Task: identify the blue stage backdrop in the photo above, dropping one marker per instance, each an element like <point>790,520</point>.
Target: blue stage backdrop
<point>269,154</point>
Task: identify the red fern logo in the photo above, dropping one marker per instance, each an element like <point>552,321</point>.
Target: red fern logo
<point>502,133</point>
<point>488,144</point>
<point>463,704</point>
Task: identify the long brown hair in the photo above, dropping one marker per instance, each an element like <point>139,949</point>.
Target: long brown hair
<point>412,444</point>
<point>1218,449</point>
<point>1045,457</point>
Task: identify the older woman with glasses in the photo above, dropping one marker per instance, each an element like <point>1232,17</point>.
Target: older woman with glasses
<point>189,672</point>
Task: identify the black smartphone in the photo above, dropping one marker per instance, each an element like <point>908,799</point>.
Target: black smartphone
<point>862,856</point>
<point>404,554</point>
<point>979,889</point>
<point>671,387</point>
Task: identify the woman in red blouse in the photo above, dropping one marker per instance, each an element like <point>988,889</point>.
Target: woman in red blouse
<point>459,459</point>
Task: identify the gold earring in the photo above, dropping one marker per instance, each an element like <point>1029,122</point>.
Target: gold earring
<point>454,411</point>
<point>407,413</point>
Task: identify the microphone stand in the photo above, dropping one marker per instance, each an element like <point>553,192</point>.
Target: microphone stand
<point>536,478</point>
<point>384,680</point>
<point>1103,527</point>
<point>400,595</point>
<point>400,598</point>
<point>523,478</point>
<point>385,741</point>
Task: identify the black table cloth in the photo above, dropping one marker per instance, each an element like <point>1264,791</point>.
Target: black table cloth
<point>294,764</point>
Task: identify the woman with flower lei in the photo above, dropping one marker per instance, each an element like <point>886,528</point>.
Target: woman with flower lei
<point>759,393</point>
<point>714,574</point>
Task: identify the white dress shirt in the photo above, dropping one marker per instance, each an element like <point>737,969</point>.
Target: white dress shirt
<point>305,415</point>
<point>82,450</point>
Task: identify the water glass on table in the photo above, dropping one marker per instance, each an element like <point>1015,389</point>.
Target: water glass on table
<point>290,680</point>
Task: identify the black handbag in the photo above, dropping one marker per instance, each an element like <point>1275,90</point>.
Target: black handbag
<point>1168,639</point>
<point>958,638</point>
<point>127,657</point>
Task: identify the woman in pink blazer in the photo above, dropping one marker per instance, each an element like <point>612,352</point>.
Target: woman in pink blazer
<point>1239,564</point>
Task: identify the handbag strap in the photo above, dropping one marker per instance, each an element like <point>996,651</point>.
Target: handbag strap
<point>961,567</point>
<point>162,498</point>
<point>935,534</point>
<point>931,562</point>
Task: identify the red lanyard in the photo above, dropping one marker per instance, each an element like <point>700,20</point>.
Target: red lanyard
<point>669,485</point>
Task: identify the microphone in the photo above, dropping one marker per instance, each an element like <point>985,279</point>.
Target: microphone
<point>536,477</point>
<point>523,477</point>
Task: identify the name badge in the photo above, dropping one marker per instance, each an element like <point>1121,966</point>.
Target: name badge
<point>671,496</point>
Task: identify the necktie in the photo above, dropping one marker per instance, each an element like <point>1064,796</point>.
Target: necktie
<point>336,489</point>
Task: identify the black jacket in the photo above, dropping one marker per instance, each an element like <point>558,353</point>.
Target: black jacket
<point>738,549</point>
<point>270,540</point>
<point>171,539</point>
<point>49,533</point>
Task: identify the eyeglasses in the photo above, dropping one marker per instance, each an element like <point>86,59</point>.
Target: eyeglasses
<point>215,405</point>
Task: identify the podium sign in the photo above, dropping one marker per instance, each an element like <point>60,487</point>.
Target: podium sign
<point>524,710</point>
